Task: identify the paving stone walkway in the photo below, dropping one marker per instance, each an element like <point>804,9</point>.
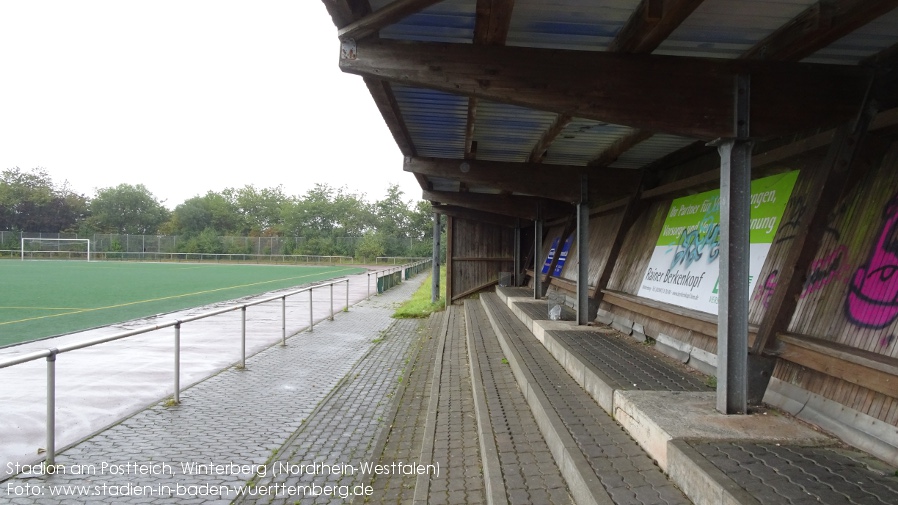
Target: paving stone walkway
<point>228,427</point>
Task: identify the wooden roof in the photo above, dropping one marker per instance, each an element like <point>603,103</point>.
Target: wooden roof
<point>519,99</point>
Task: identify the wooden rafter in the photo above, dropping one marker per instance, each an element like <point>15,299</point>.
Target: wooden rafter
<point>624,89</point>
<point>470,144</point>
<point>560,182</point>
<point>817,27</point>
<point>391,13</point>
<point>493,19</point>
<point>524,207</point>
<point>619,147</point>
<point>651,22</point>
<point>542,145</point>
<point>343,13</point>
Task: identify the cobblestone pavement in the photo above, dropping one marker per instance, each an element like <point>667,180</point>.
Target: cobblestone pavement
<point>407,430</point>
<point>342,433</point>
<point>224,428</point>
<point>528,468</point>
<point>791,475</point>
<point>625,471</point>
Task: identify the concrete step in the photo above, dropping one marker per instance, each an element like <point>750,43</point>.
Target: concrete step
<point>601,463</point>
<point>518,466</point>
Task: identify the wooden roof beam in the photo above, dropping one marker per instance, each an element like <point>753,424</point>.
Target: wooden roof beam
<point>651,22</point>
<point>817,27</point>
<point>492,22</point>
<point>651,92</point>
<point>477,215</point>
<point>391,13</point>
<point>619,147</point>
<point>556,182</point>
<point>542,145</point>
<point>524,207</point>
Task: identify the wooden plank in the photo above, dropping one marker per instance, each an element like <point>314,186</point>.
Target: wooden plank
<point>828,183</point>
<point>691,320</point>
<point>548,137</point>
<point>651,22</point>
<point>500,260</point>
<point>874,372</point>
<point>475,215</point>
<point>630,213</point>
<point>524,207</point>
<point>619,147</point>
<point>624,89</point>
<point>395,11</point>
<point>470,145</point>
<point>818,26</point>
<point>474,290</point>
<point>557,182</point>
<point>382,93</point>
<point>492,21</point>
<point>450,253</point>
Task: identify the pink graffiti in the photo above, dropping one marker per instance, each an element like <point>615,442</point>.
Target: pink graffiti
<point>766,291</point>
<point>825,270</point>
<point>873,294</point>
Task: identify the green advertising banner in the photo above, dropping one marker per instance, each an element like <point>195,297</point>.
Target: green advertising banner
<point>684,267</point>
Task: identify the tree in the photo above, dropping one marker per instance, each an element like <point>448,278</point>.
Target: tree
<point>212,211</point>
<point>30,201</point>
<point>260,209</point>
<point>127,209</point>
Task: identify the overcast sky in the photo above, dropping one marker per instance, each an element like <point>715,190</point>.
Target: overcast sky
<point>187,96</point>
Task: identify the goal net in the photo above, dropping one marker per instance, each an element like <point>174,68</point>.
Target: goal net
<point>56,248</point>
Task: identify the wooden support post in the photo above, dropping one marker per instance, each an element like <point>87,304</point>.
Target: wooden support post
<point>828,183</point>
<point>630,213</point>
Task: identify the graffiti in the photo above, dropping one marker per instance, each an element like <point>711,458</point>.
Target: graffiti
<point>765,292</point>
<point>886,341</point>
<point>825,270</point>
<point>796,211</point>
<point>873,293</point>
<point>693,243</point>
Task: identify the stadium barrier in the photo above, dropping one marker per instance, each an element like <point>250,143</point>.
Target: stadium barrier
<point>51,354</point>
<point>390,277</point>
<point>393,260</point>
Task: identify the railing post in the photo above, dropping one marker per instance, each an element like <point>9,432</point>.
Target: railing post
<point>311,314</point>
<point>51,407</point>
<point>284,320</point>
<point>369,286</point>
<point>177,395</point>
<point>332,301</point>
<point>243,337</point>
<point>347,295</point>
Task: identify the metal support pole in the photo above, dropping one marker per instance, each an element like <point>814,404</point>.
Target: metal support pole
<point>332,301</point>
<point>51,407</point>
<point>583,253</point>
<point>284,320</point>
<point>537,254</point>
<point>369,285</point>
<point>177,393</point>
<point>243,337</point>
<point>517,254</point>
<point>347,296</point>
<point>435,281</point>
<point>735,212</point>
<point>311,313</point>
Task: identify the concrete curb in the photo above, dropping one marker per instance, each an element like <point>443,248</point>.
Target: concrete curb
<point>492,468</point>
<point>700,480</point>
<point>584,485</point>
<point>422,484</point>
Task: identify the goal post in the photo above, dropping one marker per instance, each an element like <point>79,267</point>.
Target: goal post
<point>53,247</point>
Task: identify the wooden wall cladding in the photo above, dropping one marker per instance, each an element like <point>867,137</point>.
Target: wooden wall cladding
<point>637,249</point>
<point>601,234</point>
<point>480,251</point>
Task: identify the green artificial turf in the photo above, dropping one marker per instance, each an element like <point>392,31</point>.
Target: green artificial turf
<point>45,298</point>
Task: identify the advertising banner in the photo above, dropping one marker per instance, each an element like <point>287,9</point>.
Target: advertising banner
<point>684,269</point>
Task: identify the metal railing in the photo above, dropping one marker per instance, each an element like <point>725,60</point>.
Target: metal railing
<point>388,277</point>
<point>175,257</point>
<point>51,354</point>
<point>396,259</point>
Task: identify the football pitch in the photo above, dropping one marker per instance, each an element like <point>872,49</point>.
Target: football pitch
<point>46,298</point>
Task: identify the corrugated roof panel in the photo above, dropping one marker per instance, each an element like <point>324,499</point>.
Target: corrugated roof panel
<point>435,120</point>
<point>650,150</point>
<point>582,140</point>
<point>579,24</point>
<point>728,28</point>
<point>862,43</point>
<point>507,132</point>
<point>446,21</point>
